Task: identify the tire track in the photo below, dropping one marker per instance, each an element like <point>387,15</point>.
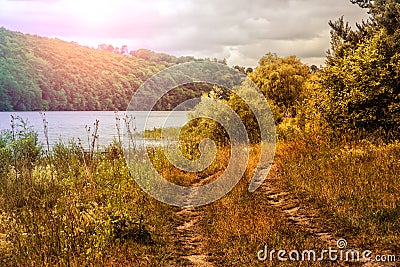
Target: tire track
<point>305,218</point>
<point>189,241</point>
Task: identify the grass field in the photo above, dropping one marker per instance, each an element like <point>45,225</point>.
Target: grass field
<point>352,189</point>
<point>68,207</point>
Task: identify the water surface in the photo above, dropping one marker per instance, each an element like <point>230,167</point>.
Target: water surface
<point>68,125</point>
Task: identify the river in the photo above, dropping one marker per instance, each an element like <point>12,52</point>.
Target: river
<point>71,125</point>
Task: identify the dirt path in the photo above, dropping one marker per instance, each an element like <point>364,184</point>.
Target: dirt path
<point>306,218</point>
<point>189,242</point>
<point>290,206</point>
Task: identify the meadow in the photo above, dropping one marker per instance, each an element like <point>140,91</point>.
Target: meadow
<point>350,190</point>
<point>71,207</point>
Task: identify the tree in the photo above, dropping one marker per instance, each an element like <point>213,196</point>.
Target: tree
<point>249,70</point>
<point>210,106</point>
<point>41,73</point>
<point>384,13</point>
<point>102,47</point>
<point>282,82</point>
<point>363,86</point>
<point>240,68</point>
<point>362,3</point>
<point>362,79</point>
<point>124,49</point>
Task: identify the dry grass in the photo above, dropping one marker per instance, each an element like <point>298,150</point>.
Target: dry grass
<point>354,190</point>
<point>87,210</point>
<point>240,224</point>
<point>355,187</point>
<point>82,213</point>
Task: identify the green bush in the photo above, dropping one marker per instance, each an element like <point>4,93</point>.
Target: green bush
<point>360,86</point>
<point>363,87</point>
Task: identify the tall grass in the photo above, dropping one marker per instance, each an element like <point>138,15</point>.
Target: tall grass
<point>83,209</point>
<point>354,186</point>
<point>68,206</point>
<point>242,223</point>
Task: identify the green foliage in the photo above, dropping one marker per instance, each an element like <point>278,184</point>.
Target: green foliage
<point>39,73</point>
<point>344,37</point>
<point>309,119</point>
<point>385,14</point>
<point>182,93</point>
<point>24,144</point>
<point>19,152</point>
<point>214,108</point>
<point>282,82</point>
<point>81,217</point>
<point>360,84</point>
<point>5,157</point>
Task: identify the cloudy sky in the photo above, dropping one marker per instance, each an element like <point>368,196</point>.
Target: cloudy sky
<point>241,31</point>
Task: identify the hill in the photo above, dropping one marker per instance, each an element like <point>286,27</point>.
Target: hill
<point>39,73</point>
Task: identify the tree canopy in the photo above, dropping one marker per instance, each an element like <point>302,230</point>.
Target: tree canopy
<point>38,73</point>
<point>282,82</point>
<point>361,80</point>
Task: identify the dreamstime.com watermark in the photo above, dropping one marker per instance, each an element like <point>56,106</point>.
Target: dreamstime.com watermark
<point>341,253</point>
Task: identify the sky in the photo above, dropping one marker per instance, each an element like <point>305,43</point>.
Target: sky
<point>242,31</point>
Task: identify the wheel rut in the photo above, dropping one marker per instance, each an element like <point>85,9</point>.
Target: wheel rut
<point>306,218</point>
<point>189,241</point>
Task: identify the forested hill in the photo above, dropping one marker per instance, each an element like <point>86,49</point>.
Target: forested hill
<point>38,73</point>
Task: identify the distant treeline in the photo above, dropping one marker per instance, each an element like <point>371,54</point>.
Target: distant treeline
<point>38,73</point>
